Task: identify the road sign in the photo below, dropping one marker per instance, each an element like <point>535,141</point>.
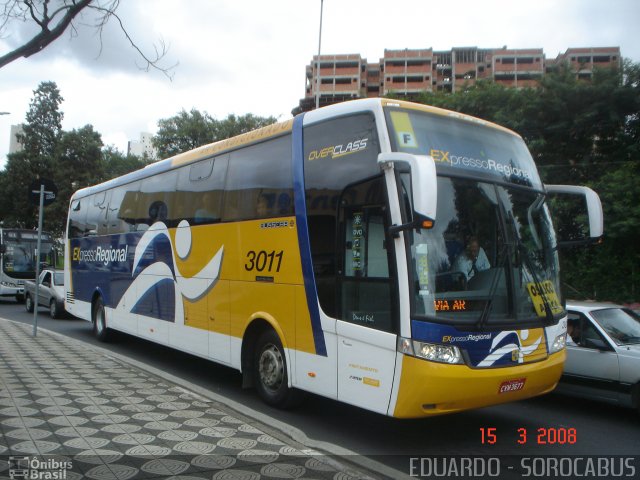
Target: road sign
<point>50,191</point>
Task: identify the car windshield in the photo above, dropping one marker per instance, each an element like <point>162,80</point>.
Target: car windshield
<point>58,278</point>
<point>622,325</point>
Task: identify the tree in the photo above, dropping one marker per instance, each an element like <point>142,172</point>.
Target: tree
<point>78,164</point>
<point>54,17</point>
<point>115,163</point>
<point>188,130</point>
<point>39,140</point>
<point>183,132</point>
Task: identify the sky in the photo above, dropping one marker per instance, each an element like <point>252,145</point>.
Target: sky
<point>249,56</point>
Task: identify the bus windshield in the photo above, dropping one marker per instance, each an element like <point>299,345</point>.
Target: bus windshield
<point>491,257</point>
<point>20,250</point>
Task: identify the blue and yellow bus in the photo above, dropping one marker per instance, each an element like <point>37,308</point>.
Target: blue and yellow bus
<point>327,254</point>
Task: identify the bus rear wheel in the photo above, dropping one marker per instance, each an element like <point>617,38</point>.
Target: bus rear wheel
<point>270,372</point>
<point>100,329</point>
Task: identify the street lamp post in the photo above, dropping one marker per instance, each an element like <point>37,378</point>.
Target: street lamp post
<point>319,44</point>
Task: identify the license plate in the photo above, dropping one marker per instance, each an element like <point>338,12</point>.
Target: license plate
<point>512,385</point>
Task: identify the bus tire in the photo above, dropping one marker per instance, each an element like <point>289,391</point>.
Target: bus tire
<point>99,319</point>
<point>28,303</point>
<point>270,372</point>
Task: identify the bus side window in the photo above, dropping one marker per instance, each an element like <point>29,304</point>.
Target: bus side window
<point>102,202</point>
<point>122,210</point>
<point>77,218</point>
<point>259,181</point>
<point>326,174</point>
<point>158,200</point>
<point>96,214</point>
<point>366,289</point>
<point>200,190</point>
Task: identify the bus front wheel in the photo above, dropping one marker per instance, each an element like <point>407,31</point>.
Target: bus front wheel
<point>270,372</point>
<point>100,329</point>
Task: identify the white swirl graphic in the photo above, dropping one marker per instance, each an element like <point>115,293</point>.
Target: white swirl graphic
<point>191,288</point>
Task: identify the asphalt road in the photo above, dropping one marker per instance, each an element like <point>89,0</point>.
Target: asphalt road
<point>600,429</point>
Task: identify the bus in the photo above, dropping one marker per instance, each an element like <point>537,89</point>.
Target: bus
<point>18,259</point>
<point>319,255</point>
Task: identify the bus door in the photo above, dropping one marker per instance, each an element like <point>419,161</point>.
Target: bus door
<point>366,327</point>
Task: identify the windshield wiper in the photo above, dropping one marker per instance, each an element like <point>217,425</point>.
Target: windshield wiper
<point>494,285</point>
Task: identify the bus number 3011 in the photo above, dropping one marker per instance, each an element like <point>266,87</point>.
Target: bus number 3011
<point>263,261</point>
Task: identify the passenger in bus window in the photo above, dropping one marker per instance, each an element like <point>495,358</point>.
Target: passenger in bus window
<point>157,212</point>
<point>204,214</point>
<point>262,207</point>
<point>472,260</point>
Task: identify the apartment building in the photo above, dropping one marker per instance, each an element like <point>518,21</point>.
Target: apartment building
<point>143,147</point>
<point>410,72</point>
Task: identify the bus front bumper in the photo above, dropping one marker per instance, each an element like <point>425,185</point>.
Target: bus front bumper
<point>11,290</point>
<point>429,388</point>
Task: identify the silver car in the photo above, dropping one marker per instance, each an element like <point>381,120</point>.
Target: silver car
<point>603,353</point>
<point>50,292</point>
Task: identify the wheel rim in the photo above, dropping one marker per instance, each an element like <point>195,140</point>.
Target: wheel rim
<point>271,367</point>
<point>28,303</point>
<point>52,309</point>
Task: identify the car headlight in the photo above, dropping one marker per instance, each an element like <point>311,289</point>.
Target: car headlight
<point>433,352</point>
<point>559,343</point>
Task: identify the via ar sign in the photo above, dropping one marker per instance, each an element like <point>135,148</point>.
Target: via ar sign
<point>50,191</point>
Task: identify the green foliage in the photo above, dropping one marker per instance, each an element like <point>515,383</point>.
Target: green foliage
<point>115,163</point>
<point>39,139</point>
<point>78,164</point>
<point>183,132</point>
<point>188,130</point>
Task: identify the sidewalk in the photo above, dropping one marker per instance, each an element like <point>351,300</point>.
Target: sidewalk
<point>69,411</point>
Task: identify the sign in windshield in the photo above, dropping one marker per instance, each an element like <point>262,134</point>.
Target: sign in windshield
<point>461,146</point>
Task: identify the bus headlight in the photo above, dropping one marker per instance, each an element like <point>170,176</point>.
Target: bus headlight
<point>559,343</point>
<point>433,352</point>
<point>9,284</point>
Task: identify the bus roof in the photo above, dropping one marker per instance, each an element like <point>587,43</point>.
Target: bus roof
<point>274,130</point>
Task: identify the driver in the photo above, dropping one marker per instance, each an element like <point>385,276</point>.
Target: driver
<point>472,260</point>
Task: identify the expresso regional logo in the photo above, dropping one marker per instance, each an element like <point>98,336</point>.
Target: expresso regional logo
<point>101,255</point>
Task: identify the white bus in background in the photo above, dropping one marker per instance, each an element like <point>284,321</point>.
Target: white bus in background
<point>18,259</point>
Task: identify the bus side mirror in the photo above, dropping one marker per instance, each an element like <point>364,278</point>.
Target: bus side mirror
<point>424,187</point>
<point>577,214</point>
